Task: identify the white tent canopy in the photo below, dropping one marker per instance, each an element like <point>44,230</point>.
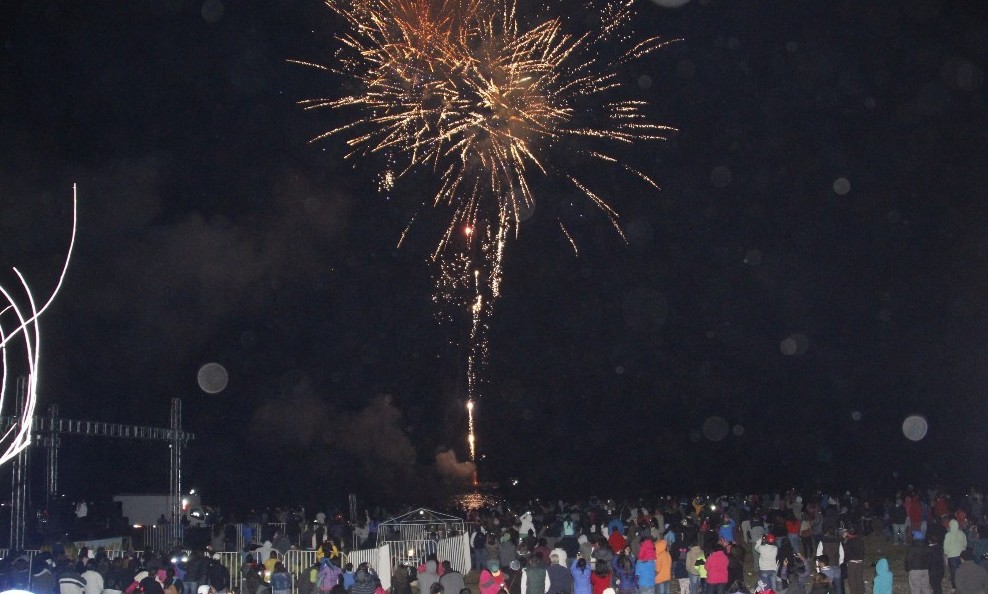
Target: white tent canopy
<point>420,524</point>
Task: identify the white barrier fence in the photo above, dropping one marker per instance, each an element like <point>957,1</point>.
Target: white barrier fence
<point>383,559</point>
<point>455,549</point>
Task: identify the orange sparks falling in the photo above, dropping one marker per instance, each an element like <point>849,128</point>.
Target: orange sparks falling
<point>463,88</point>
<point>472,92</point>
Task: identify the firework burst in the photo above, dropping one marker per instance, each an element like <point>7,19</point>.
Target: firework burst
<point>485,101</point>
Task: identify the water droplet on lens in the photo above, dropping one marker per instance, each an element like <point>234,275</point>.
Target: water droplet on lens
<point>212,378</point>
<point>915,427</point>
<point>715,428</point>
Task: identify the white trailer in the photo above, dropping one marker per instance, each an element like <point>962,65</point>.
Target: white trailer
<point>146,510</point>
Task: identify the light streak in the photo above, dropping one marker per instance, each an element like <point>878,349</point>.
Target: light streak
<point>471,438</point>
<point>27,324</point>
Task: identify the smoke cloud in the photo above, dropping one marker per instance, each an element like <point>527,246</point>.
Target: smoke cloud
<point>450,468</point>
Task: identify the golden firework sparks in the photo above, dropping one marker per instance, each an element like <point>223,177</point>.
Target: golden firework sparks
<point>468,90</point>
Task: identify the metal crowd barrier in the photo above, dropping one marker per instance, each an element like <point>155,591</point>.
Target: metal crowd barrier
<point>256,533</point>
<point>455,549</point>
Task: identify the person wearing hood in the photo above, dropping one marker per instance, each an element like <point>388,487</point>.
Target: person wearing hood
<point>953,544</point>
<point>883,577</point>
<point>451,579</point>
<point>491,578</point>
<point>663,567</point>
<point>645,567</point>
<point>263,552</point>
<point>428,577</point>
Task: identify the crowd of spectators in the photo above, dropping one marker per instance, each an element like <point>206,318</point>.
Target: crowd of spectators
<point>792,542</point>
<point>783,543</point>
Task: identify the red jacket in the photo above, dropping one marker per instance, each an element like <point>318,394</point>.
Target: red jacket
<point>617,542</point>
<point>599,583</point>
<point>717,568</point>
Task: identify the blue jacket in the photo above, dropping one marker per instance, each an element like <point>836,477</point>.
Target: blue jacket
<point>581,578</point>
<point>626,581</point>
<point>726,531</point>
<point>645,570</point>
<point>281,582</point>
<point>883,577</point>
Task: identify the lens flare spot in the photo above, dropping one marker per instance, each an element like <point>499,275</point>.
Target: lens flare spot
<point>915,427</point>
<point>212,378</point>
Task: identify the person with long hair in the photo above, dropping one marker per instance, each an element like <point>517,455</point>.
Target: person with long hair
<point>581,575</point>
<point>600,580</point>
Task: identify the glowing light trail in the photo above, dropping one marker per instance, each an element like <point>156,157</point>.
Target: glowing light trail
<point>26,323</point>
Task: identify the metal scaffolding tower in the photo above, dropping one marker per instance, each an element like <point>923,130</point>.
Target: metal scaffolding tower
<point>48,432</point>
<point>19,477</point>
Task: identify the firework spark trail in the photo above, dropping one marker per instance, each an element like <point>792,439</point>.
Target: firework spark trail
<point>466,89</point>
<point>19,434</point>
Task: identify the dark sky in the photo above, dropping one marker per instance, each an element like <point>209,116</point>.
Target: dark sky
<point>812,271</point>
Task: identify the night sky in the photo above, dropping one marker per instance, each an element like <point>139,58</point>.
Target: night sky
<point>812,272</point>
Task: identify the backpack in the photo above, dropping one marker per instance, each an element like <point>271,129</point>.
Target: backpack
<point>479,540</point>
<point>328,578</point>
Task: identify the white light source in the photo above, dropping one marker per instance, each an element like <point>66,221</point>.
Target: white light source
<point>26,322</point>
